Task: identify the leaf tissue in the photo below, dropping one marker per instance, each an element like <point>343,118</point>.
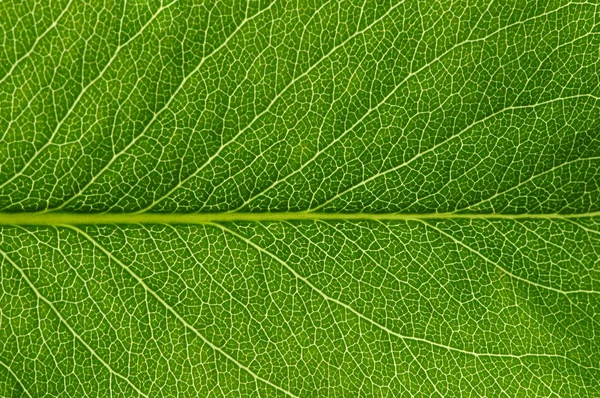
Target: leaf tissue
<point>300,198</point>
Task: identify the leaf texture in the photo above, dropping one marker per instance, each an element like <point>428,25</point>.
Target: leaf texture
<point>336,198</point>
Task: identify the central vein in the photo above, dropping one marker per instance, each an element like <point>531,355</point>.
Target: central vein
<point>55,218</point>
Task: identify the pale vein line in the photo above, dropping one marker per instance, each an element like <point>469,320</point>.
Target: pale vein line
<point>422,368</point>
<point>441,143</point>
<point>268,108</point>
<point>375,323</point>
<point>531,178</point>
<point>384,100</point>
<point>507,272</point>
<point>64,322</point>
<point>389,273</point>
<point>16,378</point>
<point>571,255</point>
<point>173,312</point>
<point>81,94</point>
<point>37,40</point>
<point>84,282</point>
<point>161,110</point>
<point>585,228</point>
<point>583,311</point>
<point>503,270</point>
<point>59,218</point>
<point>220,285</point>
<point>512,275</point>
<point>425,268</point>
<point>366,252</point>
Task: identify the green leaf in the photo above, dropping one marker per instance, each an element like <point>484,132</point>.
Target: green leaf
<point>338,198</point>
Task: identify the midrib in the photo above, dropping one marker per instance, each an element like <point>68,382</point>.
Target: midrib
<point>56,218</point>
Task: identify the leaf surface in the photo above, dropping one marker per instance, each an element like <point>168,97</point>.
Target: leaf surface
<point>341,198</point>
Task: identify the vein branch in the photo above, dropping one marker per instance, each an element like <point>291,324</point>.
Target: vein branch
<point>170,309</point>
<point>67,325</point>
